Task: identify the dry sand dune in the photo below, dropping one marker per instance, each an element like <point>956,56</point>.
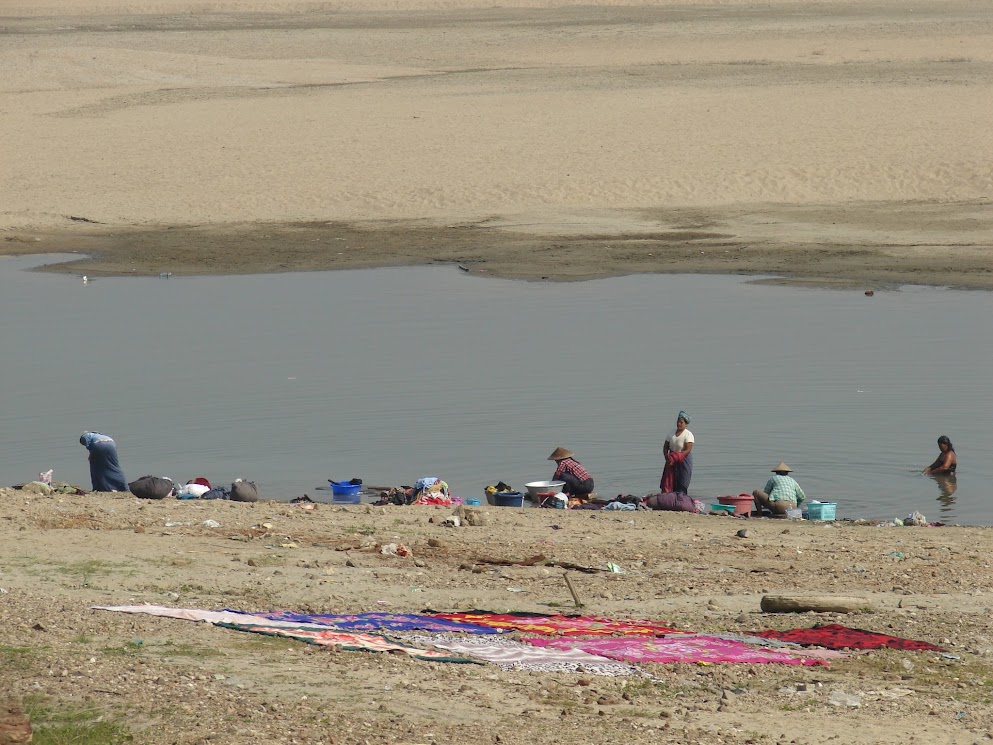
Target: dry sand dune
<point>157,7</point>
<point>179,114</point>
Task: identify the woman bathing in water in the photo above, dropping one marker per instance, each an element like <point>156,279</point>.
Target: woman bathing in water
<point>946,462</point>
<point>943,472</point>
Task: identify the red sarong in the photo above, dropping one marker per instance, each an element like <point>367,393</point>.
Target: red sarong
<point>836,636</point>
<point>669,472</point>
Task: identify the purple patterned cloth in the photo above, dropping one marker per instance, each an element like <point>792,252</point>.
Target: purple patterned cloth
<point>347,640</point>
<point>381,622</point>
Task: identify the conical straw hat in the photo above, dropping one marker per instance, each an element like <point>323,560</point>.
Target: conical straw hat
<point>782,467</point>
<point>560,453</point>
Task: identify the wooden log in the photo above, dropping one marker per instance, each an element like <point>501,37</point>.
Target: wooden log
<point>815,603</point>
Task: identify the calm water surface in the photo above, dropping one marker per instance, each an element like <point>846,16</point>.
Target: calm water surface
<point>394,374</point>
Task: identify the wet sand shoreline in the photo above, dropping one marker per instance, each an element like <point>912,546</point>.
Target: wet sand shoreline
<point>869,245</point>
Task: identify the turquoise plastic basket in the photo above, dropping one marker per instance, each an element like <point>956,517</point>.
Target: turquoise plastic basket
<point>822,511</point>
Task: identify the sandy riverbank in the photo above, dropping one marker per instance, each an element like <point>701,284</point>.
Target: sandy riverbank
<point>169,681</point>
<point>770,240</point>
<point>827,141</point>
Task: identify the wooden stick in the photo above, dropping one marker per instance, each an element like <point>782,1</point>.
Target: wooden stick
<point>536,559</point>
<point>575,597</point>
<point>577,567</point>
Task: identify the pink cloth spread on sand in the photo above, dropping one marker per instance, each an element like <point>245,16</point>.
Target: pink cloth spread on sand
<point>675,649</point>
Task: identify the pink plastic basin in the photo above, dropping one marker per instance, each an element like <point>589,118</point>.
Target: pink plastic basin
<point>742,503</point>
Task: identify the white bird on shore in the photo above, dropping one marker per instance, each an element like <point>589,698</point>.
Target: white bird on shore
<point>85,279</point>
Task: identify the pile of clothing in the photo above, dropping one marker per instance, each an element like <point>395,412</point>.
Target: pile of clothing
<point>499,487</point>
<point>428,490</point>
<point>431,490</point>
<point>398,495</point>
<point>195,489</point>
<point>54,487</point>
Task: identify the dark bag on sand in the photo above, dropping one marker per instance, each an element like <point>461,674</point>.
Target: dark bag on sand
<point>671,502</point>
<point>151,487</point>
<point>244,491</point>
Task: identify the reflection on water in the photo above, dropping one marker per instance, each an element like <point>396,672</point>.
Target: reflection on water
<point>947,486</point>
<point>393,374</point>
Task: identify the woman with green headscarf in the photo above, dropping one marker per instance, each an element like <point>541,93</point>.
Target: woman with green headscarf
<point>678,452</point>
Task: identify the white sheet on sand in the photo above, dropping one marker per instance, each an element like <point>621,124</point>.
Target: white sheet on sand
<point>513,655</point>
<point>208,616</point>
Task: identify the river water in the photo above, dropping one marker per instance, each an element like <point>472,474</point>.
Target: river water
<point>393,374</point>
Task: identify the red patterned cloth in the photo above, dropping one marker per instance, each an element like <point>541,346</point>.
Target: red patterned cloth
<point>571,467</point>
<point>560,625</point>
<point>672,460</point>
<point>835,636</point>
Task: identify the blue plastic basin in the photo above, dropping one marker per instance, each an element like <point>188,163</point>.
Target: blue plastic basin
<point>508,499</point>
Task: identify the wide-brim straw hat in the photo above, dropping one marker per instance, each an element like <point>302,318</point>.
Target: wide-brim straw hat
<point>782,467</point>
<point>560,453</point>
